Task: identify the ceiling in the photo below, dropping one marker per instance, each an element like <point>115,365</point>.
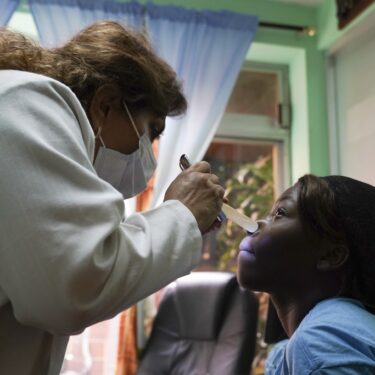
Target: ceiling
<point>301,2</point>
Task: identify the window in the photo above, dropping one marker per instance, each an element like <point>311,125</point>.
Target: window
<point>250,154</point>
<point>262,90</point>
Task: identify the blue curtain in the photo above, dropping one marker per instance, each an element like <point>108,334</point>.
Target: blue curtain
<point>58,20</point>
<point>7,8</point>
<point>207,50</point>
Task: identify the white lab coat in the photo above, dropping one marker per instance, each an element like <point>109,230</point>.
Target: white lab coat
<point>68,258</point>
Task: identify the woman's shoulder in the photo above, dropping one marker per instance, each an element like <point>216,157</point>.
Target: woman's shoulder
<point>338,312</point>
<point>11,77</point>
<point>21,75</point>
<point>338,318</point>
<point>22,90</point>
<point>13,81</point>
<point>27,97</point>
<point>337,331</point>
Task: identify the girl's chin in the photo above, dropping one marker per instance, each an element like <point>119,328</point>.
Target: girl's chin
<point>247,272</point>
<point>250,284</point>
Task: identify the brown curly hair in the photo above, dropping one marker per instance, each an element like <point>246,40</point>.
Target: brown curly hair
<point>103,53</point>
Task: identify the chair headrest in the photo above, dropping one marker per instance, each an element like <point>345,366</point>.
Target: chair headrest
<point>202,297</point>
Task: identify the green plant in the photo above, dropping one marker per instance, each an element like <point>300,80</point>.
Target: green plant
<point>249,188</point>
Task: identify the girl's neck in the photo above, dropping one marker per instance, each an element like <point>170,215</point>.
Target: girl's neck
<point>291,311</point>
<point>293,304</point>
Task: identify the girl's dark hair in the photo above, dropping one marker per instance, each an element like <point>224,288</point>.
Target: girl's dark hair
<point>103,53</point>
<point>317,207</point>
<point>342,210</point>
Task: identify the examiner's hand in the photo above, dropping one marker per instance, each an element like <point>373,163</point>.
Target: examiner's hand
<point>200,192</point>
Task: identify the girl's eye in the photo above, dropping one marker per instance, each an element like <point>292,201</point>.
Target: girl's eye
<point>280,212</point>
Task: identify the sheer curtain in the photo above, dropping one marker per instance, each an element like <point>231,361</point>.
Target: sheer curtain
<point>7,8</point>
<point>58,20</point>
<point>207,49</point>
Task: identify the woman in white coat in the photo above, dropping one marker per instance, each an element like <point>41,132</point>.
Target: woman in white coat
<point>76,127</point>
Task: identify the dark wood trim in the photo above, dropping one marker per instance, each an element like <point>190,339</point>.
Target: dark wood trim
<point>348,10</point>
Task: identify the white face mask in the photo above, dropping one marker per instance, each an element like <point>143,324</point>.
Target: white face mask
<point>128,174</point>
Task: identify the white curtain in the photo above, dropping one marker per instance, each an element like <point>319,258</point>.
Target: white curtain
<point>58,20</point>
<point>7,8</point>
<point>206,49</point>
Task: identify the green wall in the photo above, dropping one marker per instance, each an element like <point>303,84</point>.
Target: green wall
<point>309,143</point>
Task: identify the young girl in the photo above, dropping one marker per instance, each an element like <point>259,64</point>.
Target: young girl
<point>315,255</point>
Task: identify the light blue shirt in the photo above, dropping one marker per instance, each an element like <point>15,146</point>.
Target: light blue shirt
<point>336,337</point>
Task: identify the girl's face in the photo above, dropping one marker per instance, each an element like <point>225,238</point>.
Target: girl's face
<point>279,256</point>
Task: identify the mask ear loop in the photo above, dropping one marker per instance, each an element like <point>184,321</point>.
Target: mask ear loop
<point>131,120</point>
<point>98,136</point>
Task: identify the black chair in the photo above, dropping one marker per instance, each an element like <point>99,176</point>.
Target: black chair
<point>206,324</point>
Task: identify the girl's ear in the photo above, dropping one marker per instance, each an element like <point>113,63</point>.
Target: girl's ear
<point>332,257</point>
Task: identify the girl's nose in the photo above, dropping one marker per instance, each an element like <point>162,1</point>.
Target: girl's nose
<point>261,224</point>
